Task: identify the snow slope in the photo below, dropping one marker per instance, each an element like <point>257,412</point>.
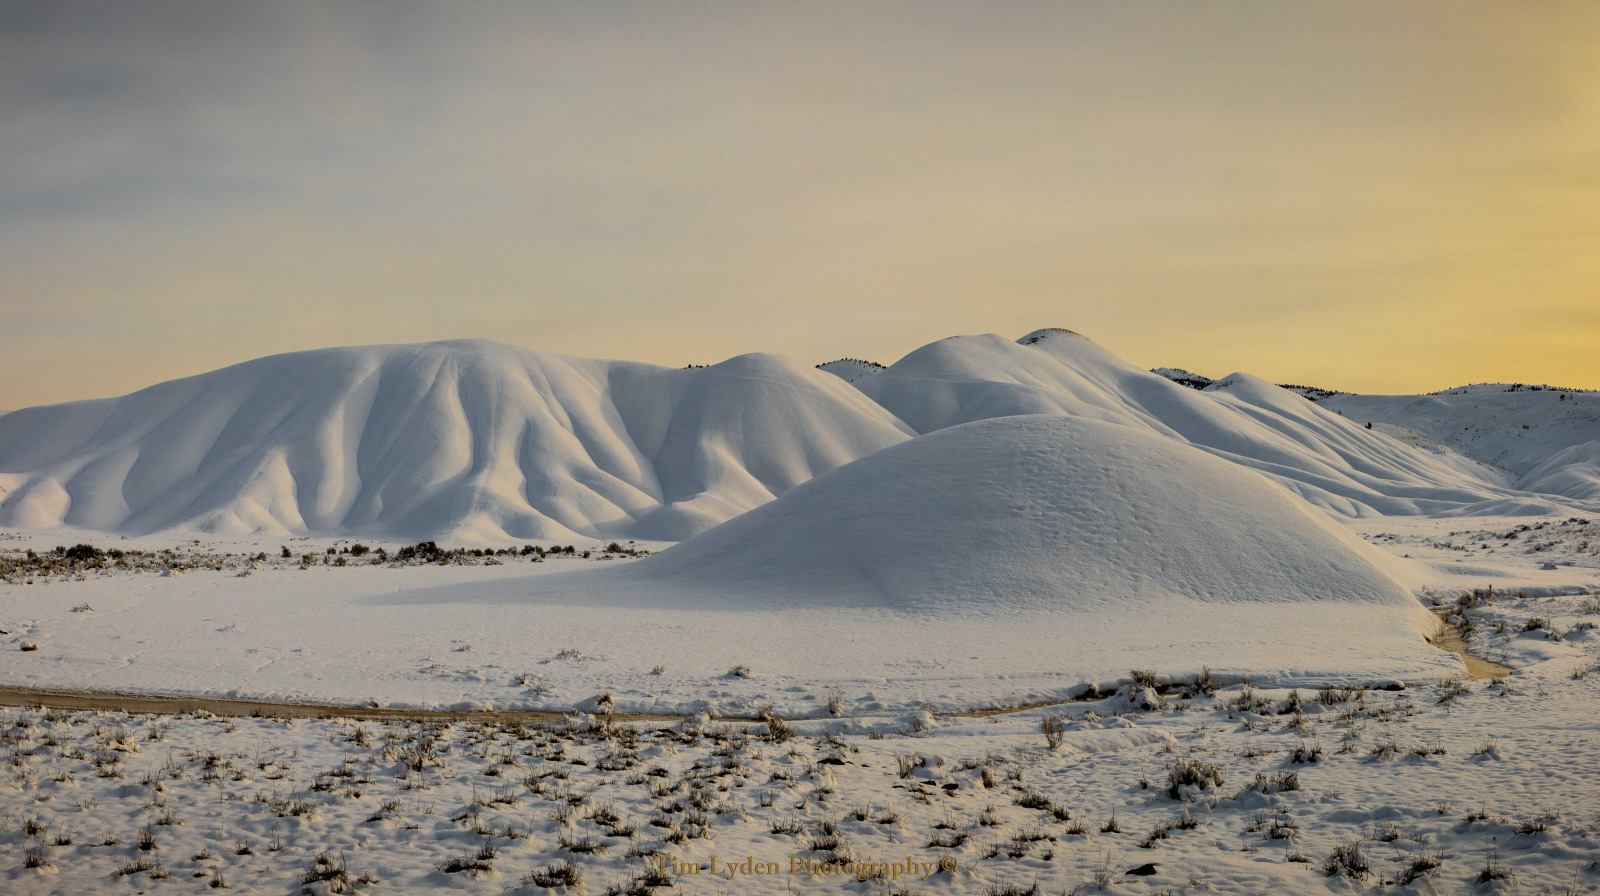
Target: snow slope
<point>465,440</point>
<point>1547,440</point>
<point>1331,461</point>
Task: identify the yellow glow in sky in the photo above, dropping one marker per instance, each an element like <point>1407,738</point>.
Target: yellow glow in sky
<point>1380,197</point>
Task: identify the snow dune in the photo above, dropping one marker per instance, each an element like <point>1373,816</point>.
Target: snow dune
<point>462,440</point>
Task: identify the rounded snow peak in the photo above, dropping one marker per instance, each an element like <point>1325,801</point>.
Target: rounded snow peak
<point>1041,513</point>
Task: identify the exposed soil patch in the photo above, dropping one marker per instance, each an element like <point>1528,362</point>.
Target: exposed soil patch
<point>1449,638</point>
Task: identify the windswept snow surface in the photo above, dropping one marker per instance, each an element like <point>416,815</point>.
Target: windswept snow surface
<point>463,441</point>
<point>1333,462</point>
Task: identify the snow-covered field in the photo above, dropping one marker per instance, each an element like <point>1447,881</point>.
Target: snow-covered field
<point>1450,787</point>
<point>1016,607</point>
<point>1435,782</point>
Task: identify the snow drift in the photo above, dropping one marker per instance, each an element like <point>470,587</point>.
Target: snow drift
<point>464,440</point>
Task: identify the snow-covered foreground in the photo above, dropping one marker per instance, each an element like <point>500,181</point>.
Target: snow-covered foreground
<point>456,637</point>
<point>1441,782</point>
<point>1450,787</point>
<point>472,635</point>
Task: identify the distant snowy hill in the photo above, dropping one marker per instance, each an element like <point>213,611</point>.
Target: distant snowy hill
<point>473,440</point>
<point>1331,461</point>
<point>1196,381</point>
<point>462,440</point>
<point>1547,440</point>
<point>851,369</point>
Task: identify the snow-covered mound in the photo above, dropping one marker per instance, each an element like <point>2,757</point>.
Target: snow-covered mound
<point>1099,544</point>
<point>852,369</point>
<point>1331,461</point>
<point>1036,512</point>
<point>465,440</point>
<point>1547,440</point>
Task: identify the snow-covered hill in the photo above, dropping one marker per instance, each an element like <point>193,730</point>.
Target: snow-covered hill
<point>461,440</point>
<point>1197,381</point>
<point>479,441</point>
<point>1331,461</point>
<point>1031,543</point>
<point>1039,512</point>
<point>1548,440</point>
<point>852,369</point>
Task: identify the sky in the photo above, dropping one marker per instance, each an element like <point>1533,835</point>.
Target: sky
<point>1369,196</point>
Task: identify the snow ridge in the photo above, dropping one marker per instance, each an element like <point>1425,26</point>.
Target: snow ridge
<point>465,439</point>
<point>1329,460</point>
<point>1546,440</point>
<point>472,440</point>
